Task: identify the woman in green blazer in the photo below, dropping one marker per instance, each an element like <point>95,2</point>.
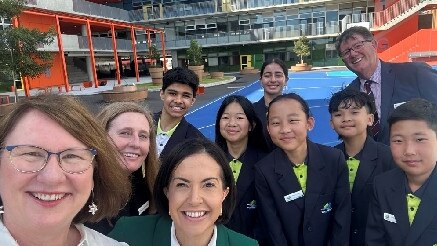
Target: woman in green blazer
<point>194,194</point>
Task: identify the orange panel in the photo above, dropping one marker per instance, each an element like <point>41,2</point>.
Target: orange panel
<point>421,41</point>
<point>44,20</point>
<point>394,35</point>
<point>42,23</point>
<point>53,77</point>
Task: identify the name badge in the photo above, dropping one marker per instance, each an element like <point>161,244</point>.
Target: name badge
<point>293,196</point>
<point>143,208</point>
<point>389,217</point>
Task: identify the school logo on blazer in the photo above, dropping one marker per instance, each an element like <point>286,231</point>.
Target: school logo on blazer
<point>327,208</point>
<point>251,205</point>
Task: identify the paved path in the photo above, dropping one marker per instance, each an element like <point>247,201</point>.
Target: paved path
<point>95,102</point>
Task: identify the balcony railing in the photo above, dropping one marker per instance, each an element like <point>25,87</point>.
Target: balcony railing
<point>73,43</point>
<point>87,8</point>
<point>356,18</point>
<point>253,35</point>
<point>208,7</point>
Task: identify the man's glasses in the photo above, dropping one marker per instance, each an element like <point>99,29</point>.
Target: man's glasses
<point>32,159</point>
<point>356,47</point>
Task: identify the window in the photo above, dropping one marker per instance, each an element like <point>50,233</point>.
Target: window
<point>190,28</point>
<point>211,26</point>
<point>244,22</point>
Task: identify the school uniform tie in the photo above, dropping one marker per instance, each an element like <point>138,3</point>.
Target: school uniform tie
<point>376,124</point>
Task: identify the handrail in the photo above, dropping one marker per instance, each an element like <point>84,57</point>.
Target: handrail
<point>398,8</point>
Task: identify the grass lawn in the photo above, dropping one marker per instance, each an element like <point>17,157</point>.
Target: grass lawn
<point>150,86</point>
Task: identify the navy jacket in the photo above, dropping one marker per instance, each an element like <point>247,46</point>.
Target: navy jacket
<point>184,131</point>
<point>375,159</point>
<point>388,218</point>
<point>401,82</point>
<point>245,217</point>
<point>322,216</point>
<point>261,112</point>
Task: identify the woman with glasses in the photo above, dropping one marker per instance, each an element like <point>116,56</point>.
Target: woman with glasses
<point>57,171</point>
<point>194,194</point>
<point>130,127</point>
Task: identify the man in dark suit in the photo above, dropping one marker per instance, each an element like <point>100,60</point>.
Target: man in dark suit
<point>178,94</point>
<point>391,84</point>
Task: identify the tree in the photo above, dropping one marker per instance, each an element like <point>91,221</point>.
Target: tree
<point>19,54</point>
<point>194,53</point>
<point>154,55</point>
<point>302,47</point>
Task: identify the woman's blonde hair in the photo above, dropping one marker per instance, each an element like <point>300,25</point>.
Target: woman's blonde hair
<point>112,111</point>
<point>112,186</point>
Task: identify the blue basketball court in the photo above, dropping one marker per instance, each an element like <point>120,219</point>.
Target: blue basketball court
<point>316,87</point>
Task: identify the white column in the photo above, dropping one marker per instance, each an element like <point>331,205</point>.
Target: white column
<point>89,66</point>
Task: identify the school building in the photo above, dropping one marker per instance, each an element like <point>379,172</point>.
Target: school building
<point>239,33</point>
<point>112,36</point>
<point>91,39</point>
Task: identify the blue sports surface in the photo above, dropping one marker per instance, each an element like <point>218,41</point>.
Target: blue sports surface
<point>316,87</point>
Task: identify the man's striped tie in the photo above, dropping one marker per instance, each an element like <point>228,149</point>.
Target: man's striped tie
<point>376,124</point>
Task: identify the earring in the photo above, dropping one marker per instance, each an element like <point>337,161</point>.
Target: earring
<point>1,210</point>
<point>221,211</point>
<point>93,206</point>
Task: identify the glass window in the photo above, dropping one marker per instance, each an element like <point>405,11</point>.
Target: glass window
<point>213,61</point>
<point>244,22</point>
<point>331,16</point>
<point>234,27</point>
<point>222,26</point>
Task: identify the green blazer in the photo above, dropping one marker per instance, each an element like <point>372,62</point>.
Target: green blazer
<point>154,230</point>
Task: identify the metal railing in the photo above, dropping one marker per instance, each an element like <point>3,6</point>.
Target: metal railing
<point>73,43</point>
<point>88,8</point>
<point>208,7</point>
<point>253,35</point>
<point>395,10</point>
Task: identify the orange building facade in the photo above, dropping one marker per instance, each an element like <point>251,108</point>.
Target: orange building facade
<point>79,39</point>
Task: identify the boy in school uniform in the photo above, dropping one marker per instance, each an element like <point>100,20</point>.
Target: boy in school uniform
<point>352,117</point>
<point>178,94</point>
<point>403,207</point>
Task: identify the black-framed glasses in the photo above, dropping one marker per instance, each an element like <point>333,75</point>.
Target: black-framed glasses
<point>32,159</point>
<point>356,47</point>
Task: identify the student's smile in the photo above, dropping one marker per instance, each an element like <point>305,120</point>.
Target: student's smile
<point>177,107</point>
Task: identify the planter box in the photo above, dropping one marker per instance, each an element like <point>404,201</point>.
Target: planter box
<point>217,75</point>
<point>197,70</point>
<point>301,67</point>
<point>124,96</point>
<point>156,73</point>
<point>124,88</point>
